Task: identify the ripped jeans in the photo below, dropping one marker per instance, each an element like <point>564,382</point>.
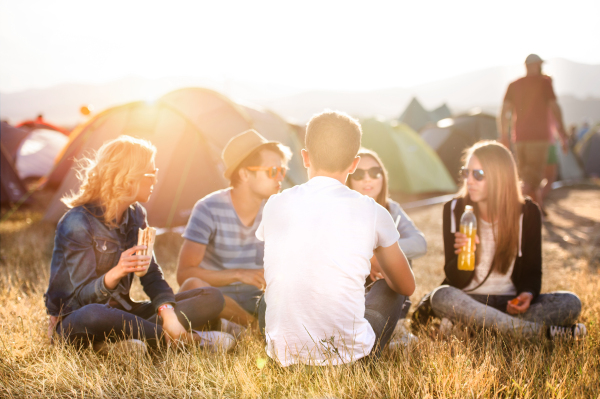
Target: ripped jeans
<point>559,308</point>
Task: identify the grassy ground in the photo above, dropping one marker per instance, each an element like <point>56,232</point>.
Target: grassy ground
<point>466,365</point>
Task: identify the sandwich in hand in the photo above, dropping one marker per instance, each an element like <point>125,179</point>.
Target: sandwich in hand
<point>146,237</point>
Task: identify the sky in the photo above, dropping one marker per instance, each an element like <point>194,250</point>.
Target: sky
<point>305,45</point>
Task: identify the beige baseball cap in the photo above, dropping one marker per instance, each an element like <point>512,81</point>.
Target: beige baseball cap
<point>239,147</point>
<point>533,59</point>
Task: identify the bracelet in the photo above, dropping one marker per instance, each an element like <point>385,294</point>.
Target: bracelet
<point>164,306</point>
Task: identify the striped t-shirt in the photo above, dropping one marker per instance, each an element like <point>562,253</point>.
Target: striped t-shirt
<point>229,244</point>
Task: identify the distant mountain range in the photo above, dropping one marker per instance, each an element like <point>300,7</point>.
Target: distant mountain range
<point>577,85</point>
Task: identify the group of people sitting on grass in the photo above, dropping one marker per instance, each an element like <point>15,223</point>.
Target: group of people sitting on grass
<point>322,270</point>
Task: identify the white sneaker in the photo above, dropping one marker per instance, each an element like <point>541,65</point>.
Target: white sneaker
<point>402,337</point>
<point>446,326</point>
<point>215,341</point>
<point>232,328</point>
<point>127,345</point>
<point>574,332</point>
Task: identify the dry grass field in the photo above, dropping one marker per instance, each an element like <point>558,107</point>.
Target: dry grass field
<point>467,365</point>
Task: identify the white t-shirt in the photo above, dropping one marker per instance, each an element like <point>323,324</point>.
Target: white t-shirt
<point>496,284</point>
<point>319,239</point>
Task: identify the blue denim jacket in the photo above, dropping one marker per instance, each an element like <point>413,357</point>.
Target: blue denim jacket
<point>85,249</point>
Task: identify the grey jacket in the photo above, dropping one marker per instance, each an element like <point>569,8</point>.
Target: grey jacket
<point>412,241</point>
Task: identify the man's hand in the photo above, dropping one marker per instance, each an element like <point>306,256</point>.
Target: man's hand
<point>255,277</point>
<point>376,272</point>
<point>520,304</point>
<point>128,263</point>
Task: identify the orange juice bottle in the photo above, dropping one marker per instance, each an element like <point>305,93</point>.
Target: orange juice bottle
<point>468,226</point>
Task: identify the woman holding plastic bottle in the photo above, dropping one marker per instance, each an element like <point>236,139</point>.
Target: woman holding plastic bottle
<point>96,255</point>
<point>502,290</point>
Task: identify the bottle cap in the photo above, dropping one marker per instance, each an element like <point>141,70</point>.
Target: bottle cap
<point>469,208</point>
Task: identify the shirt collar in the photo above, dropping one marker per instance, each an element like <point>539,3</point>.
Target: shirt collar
<point>96,209</point>
<point>324,181</point>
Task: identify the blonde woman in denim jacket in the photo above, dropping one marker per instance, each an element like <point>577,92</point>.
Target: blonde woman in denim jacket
<point>95,256</point>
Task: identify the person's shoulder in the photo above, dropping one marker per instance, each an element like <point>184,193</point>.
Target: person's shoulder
<point>217,198</point>
<point>139,212</point>
<point>288,194</point>
<point>454,203</point>
<point>75,223</point>
<point>529,206</point>
<point>394,207</point>
<point>518,82</point>
<point>76,214</point>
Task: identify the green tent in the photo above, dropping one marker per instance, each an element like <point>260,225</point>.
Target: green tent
<point>412,165</point>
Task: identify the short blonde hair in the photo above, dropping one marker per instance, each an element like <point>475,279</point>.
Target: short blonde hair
<point>112,176</point>
<point>332,140</point>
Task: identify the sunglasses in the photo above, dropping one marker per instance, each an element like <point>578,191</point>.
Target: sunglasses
<point>153,174</point>
<point>375,172</point>
<point>477,174</point>
<point>272,172</point>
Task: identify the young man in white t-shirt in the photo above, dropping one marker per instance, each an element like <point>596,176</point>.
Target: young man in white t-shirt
<point>319,239</point>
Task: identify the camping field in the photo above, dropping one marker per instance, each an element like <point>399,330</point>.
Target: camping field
<point>467,364</point>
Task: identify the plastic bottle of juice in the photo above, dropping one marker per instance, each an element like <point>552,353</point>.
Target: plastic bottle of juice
<point>468,226</point>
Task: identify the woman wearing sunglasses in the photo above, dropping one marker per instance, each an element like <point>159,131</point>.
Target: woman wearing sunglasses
<point>95,257</point>
<point>503,291</point>
<point>371,179</point>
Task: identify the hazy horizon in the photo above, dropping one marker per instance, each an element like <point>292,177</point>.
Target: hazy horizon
<point>294,47</point>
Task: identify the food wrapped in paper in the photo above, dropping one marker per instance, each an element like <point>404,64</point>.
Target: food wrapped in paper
<point>146,237</point>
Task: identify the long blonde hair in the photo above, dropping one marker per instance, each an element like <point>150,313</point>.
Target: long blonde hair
<point>383,196</point>
<point>112,176</point>
<point>504,198</point>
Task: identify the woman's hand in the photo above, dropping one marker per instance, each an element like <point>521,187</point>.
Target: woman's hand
<point>520,304</point>
<point>461,240</point>
<point>128,263</point>
<point>376,272</point>
<point>173,328</point>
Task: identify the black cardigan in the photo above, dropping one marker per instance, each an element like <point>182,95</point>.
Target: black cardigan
<point>527,273</point>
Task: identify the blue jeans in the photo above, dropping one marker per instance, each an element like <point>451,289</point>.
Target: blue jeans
<point>244,294</point>
<point>383,308</point>
<point>99,322</point>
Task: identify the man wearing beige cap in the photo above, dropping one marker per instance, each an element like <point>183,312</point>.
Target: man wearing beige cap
<point>530,110</point>
<point>220,247</point>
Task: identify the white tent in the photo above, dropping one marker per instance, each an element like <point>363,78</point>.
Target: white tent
<point>37,152</point>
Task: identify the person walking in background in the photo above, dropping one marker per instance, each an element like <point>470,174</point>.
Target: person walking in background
<point>319,239</point>
<point>371,178</point>
<point>95,256</point>
<point>527,104</point>
<point>503,291</point>
<point>220,247</point>
<point>550,173</point>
